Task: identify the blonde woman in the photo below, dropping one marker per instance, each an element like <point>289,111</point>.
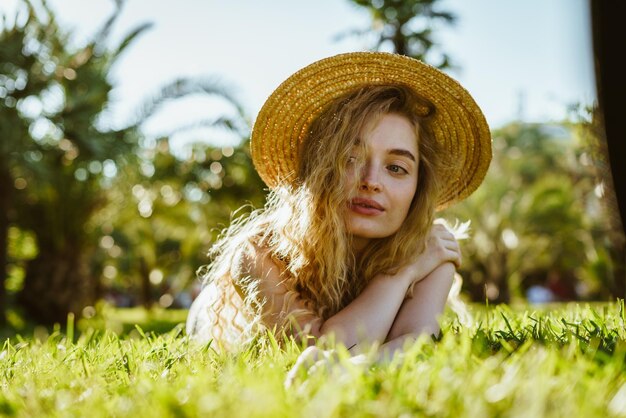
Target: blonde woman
<point>359,151</point>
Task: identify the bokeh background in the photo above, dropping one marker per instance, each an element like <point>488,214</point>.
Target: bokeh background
<point>124,132</point>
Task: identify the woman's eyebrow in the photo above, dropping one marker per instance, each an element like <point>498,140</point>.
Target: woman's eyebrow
<point>402,152</point>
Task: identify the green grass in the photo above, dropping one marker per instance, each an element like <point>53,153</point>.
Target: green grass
<point>562,361</point>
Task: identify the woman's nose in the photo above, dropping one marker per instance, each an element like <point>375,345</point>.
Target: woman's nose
<point>369,179</point>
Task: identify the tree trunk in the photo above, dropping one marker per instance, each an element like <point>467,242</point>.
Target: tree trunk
<point>475,289</point>
<point>146,288</point>
<point>618,288</point>
<point>499,276</point>
<point>400,43</point>
<point>57,284</point>
<point>6,192</point>
<point>608,32</point>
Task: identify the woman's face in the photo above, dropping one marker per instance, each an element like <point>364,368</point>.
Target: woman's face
<point>386,182</point>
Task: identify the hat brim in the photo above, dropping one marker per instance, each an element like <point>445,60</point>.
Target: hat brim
<point>458,124</point>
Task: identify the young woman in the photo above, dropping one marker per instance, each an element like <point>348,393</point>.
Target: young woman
<point>359,151</point>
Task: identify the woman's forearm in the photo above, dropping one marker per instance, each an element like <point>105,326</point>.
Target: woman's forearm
<point>370,315</point>
<point>420,313</point>
<point>382,311</point>
<point>377,313</point>
<point>413,317</point>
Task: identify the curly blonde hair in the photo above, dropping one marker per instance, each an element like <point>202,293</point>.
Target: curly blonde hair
<point>302,225</point>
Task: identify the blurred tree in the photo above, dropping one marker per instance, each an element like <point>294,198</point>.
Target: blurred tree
<point>24,81</point>
<point>406,27</point>
<point>14,85</point>
<point>536,214</point>
<point>62,161</point>
<point>613,265</point>
<point>177,208</point>
<point>608,34</point>
<point>56,156</point>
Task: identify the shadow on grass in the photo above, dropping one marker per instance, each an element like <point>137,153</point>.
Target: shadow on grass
<point>122,321</point>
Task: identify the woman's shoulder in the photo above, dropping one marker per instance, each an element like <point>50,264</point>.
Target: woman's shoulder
<point>255,259</point>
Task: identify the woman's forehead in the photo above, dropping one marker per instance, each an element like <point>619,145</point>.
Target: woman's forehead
<point>391,132</point>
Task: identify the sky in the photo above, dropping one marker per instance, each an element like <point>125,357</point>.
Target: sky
<point>525,60</point>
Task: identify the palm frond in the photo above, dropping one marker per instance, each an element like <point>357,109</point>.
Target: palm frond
<point>103,33</point>
<point>129,39</point>
<point>181,88</point>
<point>223,122</point>
<point>352,33</point>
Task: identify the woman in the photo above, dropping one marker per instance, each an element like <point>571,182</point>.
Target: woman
<point>359,150</point>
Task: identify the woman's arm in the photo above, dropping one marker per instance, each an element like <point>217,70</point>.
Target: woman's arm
<point>430,276</point>
<point>367,318</point>
<point>370,316</point>
<point>420,313</point>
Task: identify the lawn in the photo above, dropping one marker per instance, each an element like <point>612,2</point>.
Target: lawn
<point>557,361</point>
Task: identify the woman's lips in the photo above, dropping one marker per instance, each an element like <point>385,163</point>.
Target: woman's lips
<point>365,206</point>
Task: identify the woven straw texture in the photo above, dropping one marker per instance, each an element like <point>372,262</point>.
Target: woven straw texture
<point>458,124</point>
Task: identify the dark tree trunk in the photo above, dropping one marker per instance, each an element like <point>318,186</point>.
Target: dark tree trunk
<point>57,284</point>
<point>146,288</point>
<point>400,43</point>
<point>6,192</point>
<point>496,274</point>
<point>618,288</point>
<point>501,279</point>
<point>609,32</point>
<point>475,288</point>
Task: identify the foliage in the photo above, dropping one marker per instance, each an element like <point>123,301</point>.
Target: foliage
<point>63,154</point>
<point>561,362</point>
<point>166,211</point>
<point>406,28</point>
<point>93,212</point>
<point>537,218</point>
<point>103,202</point>
<point>540,217</point>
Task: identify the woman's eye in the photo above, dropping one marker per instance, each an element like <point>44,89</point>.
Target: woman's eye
<point>397,169</point>
<point>351,160</point>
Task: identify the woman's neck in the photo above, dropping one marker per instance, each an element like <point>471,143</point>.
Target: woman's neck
<point>359,244</point>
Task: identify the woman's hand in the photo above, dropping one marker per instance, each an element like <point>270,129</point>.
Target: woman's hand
<point>314,359</point>
<point>441,247</point>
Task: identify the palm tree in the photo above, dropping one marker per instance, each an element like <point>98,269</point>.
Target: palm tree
<point>23,79</point>
<point>57,153</point>
<point>66,178</point>
<point>406,27</point>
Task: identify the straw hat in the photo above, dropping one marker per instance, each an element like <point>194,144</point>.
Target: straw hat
<point>458,124</point>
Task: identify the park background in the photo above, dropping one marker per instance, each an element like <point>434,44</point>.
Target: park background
<point>125,128</point>
<point>123,152</point>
